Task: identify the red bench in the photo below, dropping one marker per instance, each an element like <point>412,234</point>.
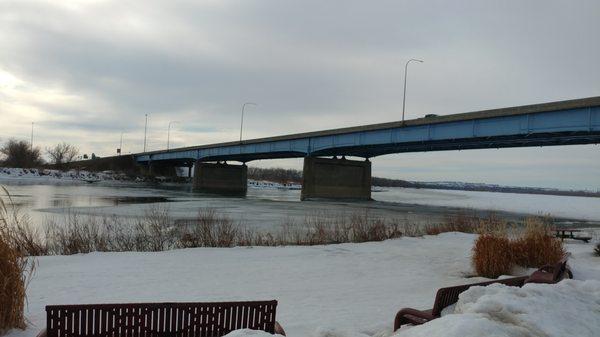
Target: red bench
<point>445,297</point>
<point>551,273</point>
<point>160,319</point>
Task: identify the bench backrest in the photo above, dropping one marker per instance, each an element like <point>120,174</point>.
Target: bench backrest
<point>159,319</point>
<point>559,270</point>
<point>449,295</point>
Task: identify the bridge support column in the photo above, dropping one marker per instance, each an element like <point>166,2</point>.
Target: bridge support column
<point>220,178</point>
<point>336,179</point>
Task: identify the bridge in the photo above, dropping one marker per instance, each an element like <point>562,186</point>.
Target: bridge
<point>557,123</point>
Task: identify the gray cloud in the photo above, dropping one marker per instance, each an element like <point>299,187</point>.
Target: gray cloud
<point>91,70</point>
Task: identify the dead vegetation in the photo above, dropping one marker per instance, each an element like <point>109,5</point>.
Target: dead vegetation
<point>499,247</point>
<point>158,231</point>
<point>459,222</point>
<point>497,250</point>
<point>15,271</point>
<point>492,256</point>
<point>536,246</point>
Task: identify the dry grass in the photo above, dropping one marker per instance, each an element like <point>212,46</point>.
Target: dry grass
<point>323,228</point>
<point>460,222</point>
<point>208,230</point>
<point>76,236</point>
<point>499,248</point>
<point>15,270</point>
<point>492,256</point>
<point>158,231</point>
<point>536,246</point>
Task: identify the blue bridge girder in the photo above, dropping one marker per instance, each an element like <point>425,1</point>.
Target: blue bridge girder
<point>558,123</point>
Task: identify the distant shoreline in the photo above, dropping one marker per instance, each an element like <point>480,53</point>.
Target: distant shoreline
<point>500,189</point>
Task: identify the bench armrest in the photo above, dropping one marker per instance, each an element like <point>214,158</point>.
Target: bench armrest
<point>547,268</point>
<point>404,317</point>
<point>279,329</point>
<point>42,333</point>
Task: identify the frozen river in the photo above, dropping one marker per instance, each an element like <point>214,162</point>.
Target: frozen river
<point>271,208</point>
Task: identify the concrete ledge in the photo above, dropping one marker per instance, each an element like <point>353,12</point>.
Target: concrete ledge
<point>336,179</point>
<point>220,178</point>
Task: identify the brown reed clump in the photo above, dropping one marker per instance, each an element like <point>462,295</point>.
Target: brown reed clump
<point>536,246</point>
<point>492,256</point>
<point>15,269</point>
<point>209,229</point>
<point>459,222</point>
<point>498,249</point>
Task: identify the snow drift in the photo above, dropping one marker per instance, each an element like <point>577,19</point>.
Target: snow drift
<point>569,308</point>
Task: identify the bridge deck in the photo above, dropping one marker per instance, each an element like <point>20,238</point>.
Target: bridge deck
<point>557,123</point>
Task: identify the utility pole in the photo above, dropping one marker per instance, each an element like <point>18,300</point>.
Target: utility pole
<point>242,123</point>
<point>121,144</point>
<point>145,132</point>
<point>404,97</point>
<point>169,132</point>
<point>31,143</point>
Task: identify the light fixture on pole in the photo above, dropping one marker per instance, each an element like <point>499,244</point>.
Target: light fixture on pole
<point>145,132</point>
<point>31,143</point>
<point>169,132</point>
<point>242,123</point>
<point>404,97</point>
<point>120,149</point>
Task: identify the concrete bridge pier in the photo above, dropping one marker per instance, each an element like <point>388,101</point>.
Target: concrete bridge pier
<point>190,166</point>
<point>220,178</point>
<point>336,179</point>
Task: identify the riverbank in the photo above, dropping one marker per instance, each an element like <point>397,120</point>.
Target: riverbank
<point>58,176</point>
<point>333,290</point>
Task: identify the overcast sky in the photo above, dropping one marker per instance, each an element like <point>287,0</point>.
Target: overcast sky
<point>85,71</point>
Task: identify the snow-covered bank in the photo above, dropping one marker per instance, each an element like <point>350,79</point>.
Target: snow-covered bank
<point>569,308</point>
<point>55,176</point>
<point>335,290</point>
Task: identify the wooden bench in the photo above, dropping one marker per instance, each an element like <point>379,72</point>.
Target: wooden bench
<point>561,233</point>
<point>551,273</point>
<point>160,319</point>
<point>445,297</point>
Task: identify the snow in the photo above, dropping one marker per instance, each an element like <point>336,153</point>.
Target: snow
<point>569,308</point>
<point>249,333</point>
<point>46,175</point>
<point>346,290</point>
<point>584,208</point>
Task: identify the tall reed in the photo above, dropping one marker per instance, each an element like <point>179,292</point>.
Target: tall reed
<point>536,246</point>
<point>499,248</point>
<point>15,270</point>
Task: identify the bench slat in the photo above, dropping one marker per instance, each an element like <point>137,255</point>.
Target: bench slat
<point>159,319</point>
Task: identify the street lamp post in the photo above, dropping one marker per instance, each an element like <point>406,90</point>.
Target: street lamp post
<point>145,132</point>
<point>31,143</point>
<point>404,97</point>
<point>121,144</point>
<point>242,123</point>
<point>169,132</point>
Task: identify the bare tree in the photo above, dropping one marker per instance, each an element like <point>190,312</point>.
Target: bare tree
<point>62,153</point>
<point>20,154</point>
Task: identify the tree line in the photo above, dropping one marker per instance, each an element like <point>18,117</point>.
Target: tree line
<point>278,175</point>
<point>282,176</point>
<point>20,153</point>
